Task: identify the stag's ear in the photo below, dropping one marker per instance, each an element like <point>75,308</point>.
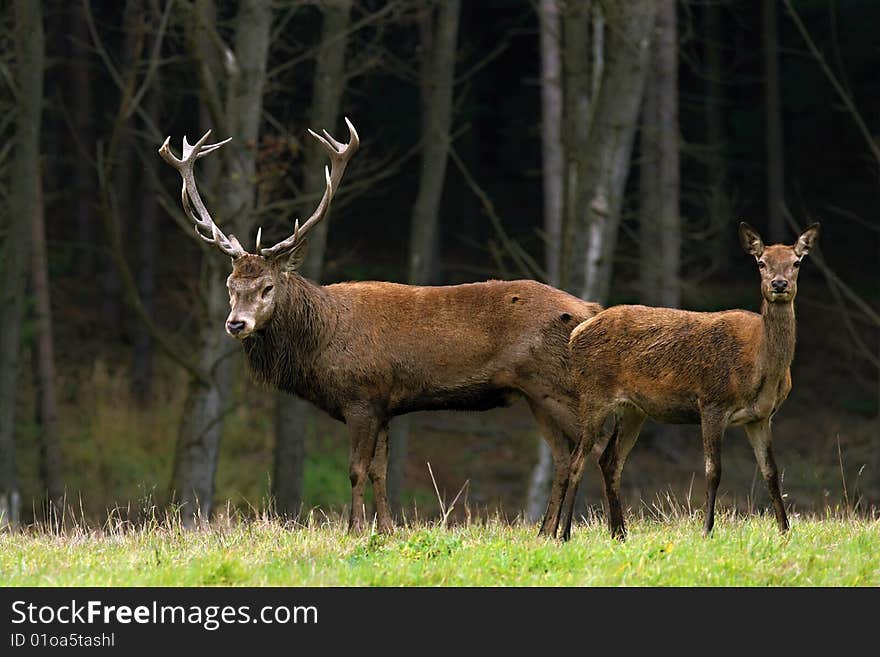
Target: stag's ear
<point>807,240</point>
<point>296,256</point>
<point>750,239</point>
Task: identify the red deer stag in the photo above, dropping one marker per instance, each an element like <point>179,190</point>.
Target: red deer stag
<point>365,352</point>
<point>717,369</point>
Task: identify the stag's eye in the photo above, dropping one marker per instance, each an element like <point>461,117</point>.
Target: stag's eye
<point>762,264</point>
<point>266,290</point>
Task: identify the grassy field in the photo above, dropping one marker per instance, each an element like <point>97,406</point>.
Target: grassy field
<point>670,551</point>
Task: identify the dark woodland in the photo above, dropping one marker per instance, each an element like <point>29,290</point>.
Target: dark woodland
<point>607,148</point>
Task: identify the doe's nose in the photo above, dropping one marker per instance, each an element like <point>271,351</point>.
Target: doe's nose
<point>235,327</point>
<point>779,285</point>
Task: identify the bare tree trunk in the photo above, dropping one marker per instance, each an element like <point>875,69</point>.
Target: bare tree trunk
<point>576,118</point>
<point>327,89</point>
<point>660,215</point>
<point>773,125</point>
<point>553,158</point>
<point>292,414</point>
<point>719,205</point>
<point>553,162</point>
<point>111,304</point>
<point>47,405</point>
<point>609,144</point>
<point>142,357</point>
<point>604,155</point>
<point>437,74</point>
<point>649,198</point>
<point>24,201</point>
<point>437,78</point>
<point>83,124</point>
<point>198,442</point>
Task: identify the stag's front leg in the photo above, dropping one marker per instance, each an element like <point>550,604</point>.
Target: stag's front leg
<point>592,426</point>
<point>561,466</point>
<point>378,475</point>
<point>364,428</point>
<point>560,449</point>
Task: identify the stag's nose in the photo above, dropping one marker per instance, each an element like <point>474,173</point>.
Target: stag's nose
<point>779,285</point>
<point>234,328</point>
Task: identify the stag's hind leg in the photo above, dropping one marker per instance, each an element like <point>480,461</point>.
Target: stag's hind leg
<point>760,438</point>
<point>378,472</point>
<point>627,429</point>
<point>363,428</point>
<point>592,418</point>
<point>560,448</point>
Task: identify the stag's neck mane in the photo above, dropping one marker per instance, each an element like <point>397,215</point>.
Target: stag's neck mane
<point>282,353</point>
<point>778,336</point>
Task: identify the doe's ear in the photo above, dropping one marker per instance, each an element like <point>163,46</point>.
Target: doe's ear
<point>807,240</point>
<point>750,239</point>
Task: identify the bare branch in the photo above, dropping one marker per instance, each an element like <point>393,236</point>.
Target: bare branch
<point>834,279</point>
<point>832,78</point>
<point>525,263</point>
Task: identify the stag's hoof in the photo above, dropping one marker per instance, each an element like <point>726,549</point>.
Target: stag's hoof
<point>545,532</point>
<point>619,533</point>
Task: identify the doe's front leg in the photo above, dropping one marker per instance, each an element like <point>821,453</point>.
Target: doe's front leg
<point>760,439</point>
<point>713,426</point>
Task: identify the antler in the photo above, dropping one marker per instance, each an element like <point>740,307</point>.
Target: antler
<point>190,197</point>
<point>339,154</point>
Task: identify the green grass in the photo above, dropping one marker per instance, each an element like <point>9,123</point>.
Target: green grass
<point>745,551</point>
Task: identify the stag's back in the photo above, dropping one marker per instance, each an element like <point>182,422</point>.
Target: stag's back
<point>474,340</point>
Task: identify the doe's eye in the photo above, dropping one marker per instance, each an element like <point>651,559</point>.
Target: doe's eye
<point>796,264</point>
<point>762,264</point>
<point>266,290</point>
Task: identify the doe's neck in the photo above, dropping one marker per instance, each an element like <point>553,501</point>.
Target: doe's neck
<point>778,336</point>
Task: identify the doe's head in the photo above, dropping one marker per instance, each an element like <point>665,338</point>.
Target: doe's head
<point>778,264</point>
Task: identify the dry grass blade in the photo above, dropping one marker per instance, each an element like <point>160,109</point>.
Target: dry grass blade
<point>444,510</point>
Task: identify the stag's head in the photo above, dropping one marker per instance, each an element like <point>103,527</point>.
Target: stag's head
<point>778,264</point>
<point>256,277</point>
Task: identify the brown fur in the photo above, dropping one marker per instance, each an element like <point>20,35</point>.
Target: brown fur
<point>365,352</point>
<point>718,369</point>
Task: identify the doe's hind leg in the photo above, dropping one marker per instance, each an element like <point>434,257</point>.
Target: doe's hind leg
<point>627,429</point>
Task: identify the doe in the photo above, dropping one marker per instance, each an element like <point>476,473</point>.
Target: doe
<point>716,369</point>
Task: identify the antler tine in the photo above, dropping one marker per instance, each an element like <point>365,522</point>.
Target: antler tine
<point>189,193</point>
<point>210,148</point>
<point>339,154</point>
